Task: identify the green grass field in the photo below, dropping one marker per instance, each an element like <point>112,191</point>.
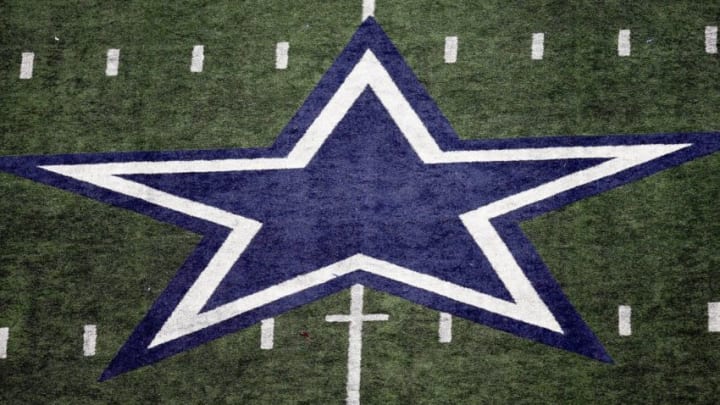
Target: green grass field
<point>66,261</point>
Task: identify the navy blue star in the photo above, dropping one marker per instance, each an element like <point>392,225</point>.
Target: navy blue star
<point>365,191</point>
<point>441,223</point>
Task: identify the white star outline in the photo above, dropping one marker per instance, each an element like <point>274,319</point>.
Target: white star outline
<point>527,307</point>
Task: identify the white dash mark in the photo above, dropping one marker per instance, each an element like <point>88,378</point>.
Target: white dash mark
<point>445,328</point>
<point>368,9</point>
<point>451,48</point>
<point>281,55</point>
<point>267,333</point>
<point>89,339</point>
<point>198,57</point>
<point>624,316</point>
<point>26,65</point>
<point>624,43</point>
<point>4,334</point>
<point>113,62</point>
<point>711,33</point>
<point>713,316</point>
<point>538,46</point>
<point>355,319</point>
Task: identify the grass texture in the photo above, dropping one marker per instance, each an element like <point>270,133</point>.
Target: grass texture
<point>66,261</point>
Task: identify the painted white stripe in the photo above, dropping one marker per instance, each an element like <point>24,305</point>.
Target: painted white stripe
<point>281,55</point>
<point>538,46</point>
<point>355,319</point>
<point>355,345</point>
<point>4,335</point>
<point>368,9</point>
<point>624,43</point>
<point>445,328</point>
<point>198,57</point>
<point>187,318</point>
<point>348,318</point>
<point>171,201</point>
<point>624,320</point>
<point>451,49</point>
<point>113,62</point>
<point>711,34</point>
<point>95,172</point>
<point>267,333</point>
<point>713,316</point>
<point>89,339</point>
<point>26,65</point>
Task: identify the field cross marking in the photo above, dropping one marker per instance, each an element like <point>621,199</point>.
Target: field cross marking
<point>356,319</point>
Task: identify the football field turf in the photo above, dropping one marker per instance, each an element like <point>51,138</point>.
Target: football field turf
<point>67,261</point>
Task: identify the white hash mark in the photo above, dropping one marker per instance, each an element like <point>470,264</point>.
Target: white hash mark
<point>713,316</point>
<point>624,43</point>
<point>198,57</point>
<point>267,333</point>
<point>624,320</point>
<point>89,340</point>
<point>445,328</point>
<point>368,9</point>
<point>113,62</point>
<point>281,55</point>
<point>26,65</point>
<point>538,46</point>
<point>451,49</point>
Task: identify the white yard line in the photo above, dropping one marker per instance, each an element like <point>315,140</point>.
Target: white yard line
<point>267,333</point>
<point>624,43</point>
<point>713,316</point>
<point>198,57</point>
<point>113,62</point>
<point>89,340</point>
<point>4,335</point>
<point>624,320</point>
<point>26,65</point>
<point>538,46</point>
<point>368,9</point>
<point>355,319</point>
<point>711,34</point>
<point>281,55</point>
<point>451,49</point>
<point>445,328</point>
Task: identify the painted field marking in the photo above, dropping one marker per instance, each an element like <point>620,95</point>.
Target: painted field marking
<point>451,48</point>
<point>445,328</point>
<point>26,65</point>
<point>113,62</point>
<point>198,57</point>
<point>267,333</point>
<point>527,306</point>
<point>538,46</point>
<point>89,340</point>
<point>355,319</point>
<point>368,9</point>
<point>713,316</point>
<point>281,55</point>
<point>4,334</point>
<point>624,43</point>
<point>711,34</point>
<point>624,317</point>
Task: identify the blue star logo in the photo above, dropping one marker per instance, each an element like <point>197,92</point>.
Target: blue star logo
<point>368,184</point>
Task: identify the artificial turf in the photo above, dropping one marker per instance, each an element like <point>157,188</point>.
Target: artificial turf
<point>66,261</point>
